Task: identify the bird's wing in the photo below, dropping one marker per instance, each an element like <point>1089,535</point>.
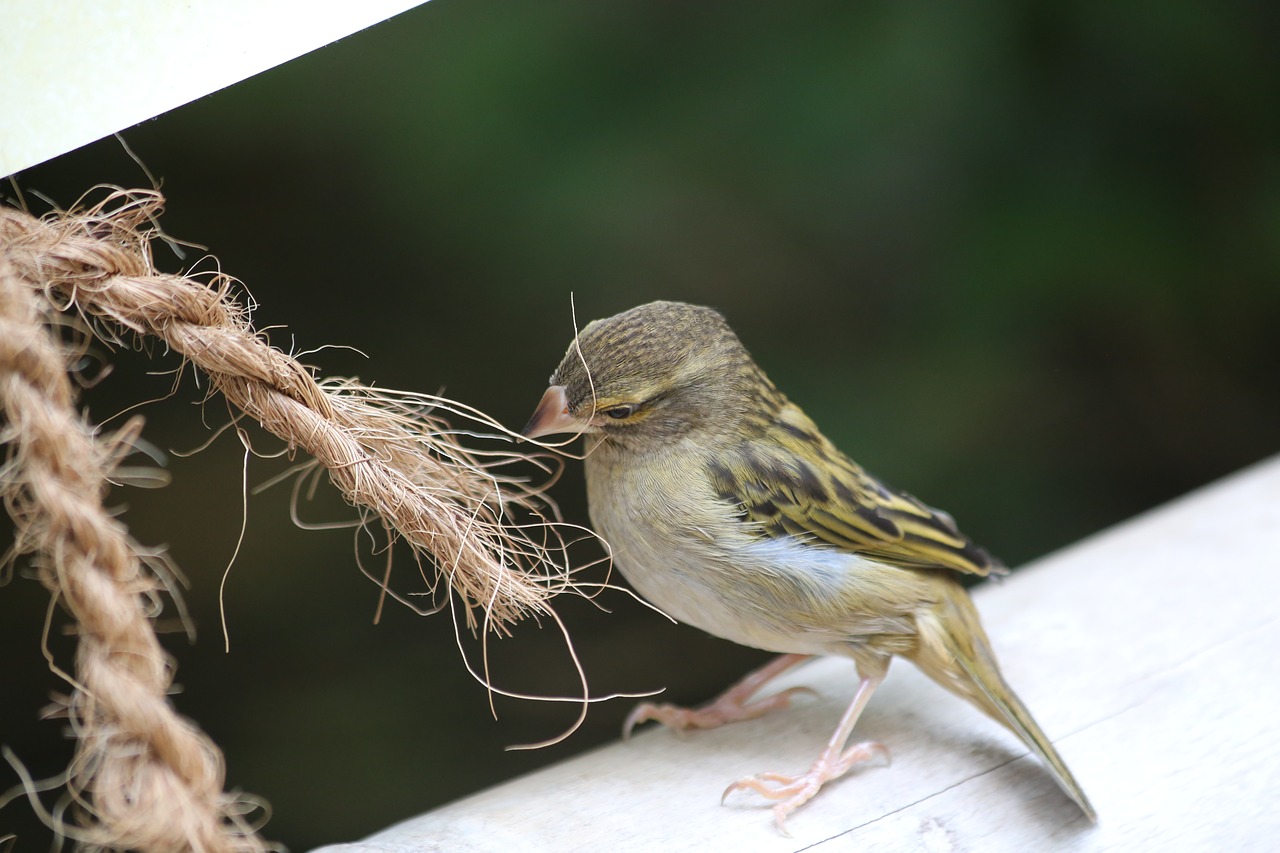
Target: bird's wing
<point>808,489</point>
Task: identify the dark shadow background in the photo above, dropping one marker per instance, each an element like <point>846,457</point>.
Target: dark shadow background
<point>1020,260</point>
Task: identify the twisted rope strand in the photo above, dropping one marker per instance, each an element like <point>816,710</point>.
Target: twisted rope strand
<point>151,778</point>
<point>382,455</point>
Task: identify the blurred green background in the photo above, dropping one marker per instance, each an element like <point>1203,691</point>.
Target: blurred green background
<point>1020,259</point>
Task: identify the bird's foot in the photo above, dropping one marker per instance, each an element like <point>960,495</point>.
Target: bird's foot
<point>795,791</point>
<point>732,705</point>
<point>728,708</point>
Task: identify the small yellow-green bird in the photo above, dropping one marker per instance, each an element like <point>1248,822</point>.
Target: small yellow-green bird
<point>728,509</point>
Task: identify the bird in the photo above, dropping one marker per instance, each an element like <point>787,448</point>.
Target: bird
<point>726,507</point>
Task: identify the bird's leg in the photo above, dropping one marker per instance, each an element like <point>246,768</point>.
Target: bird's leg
<point>834,762</point>
<point>728,707</point>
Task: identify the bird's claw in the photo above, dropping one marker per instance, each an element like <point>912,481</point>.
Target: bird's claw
<point>795,791</point>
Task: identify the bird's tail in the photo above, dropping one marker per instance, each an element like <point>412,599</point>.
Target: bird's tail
<point>967,666</point>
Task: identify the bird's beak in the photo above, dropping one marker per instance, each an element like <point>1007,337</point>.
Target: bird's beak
<point>552,416</point>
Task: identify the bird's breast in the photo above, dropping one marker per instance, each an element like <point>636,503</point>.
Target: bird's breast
<point>690,553</point>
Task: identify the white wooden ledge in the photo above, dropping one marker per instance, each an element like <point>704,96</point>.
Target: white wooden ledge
<point>1150,654</point>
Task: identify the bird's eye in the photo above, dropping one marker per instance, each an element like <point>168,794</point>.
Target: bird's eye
<point>620,412</point>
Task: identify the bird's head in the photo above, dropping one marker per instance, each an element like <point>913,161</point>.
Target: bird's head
<point>652,373</point>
